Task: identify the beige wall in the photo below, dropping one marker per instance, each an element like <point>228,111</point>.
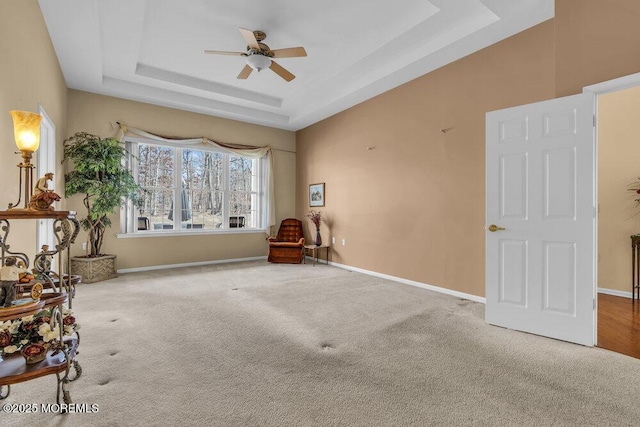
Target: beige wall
<point>619,215</point>
<point>98,114</point>
<point>596,41</point>
<point>413,207</point>
<point>29,75</point>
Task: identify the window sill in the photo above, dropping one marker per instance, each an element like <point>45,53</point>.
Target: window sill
<point>174,233</point>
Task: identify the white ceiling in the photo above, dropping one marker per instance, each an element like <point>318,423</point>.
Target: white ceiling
<point>152,50</point>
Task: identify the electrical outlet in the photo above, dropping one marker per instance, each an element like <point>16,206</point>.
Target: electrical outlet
<point>344,242</point>
<point>333,240</point>
<point>84,246</point>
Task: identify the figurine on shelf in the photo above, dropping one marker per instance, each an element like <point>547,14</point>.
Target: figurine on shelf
<point>42,261</point>
<point>9,276</point>
<point>43,197</point>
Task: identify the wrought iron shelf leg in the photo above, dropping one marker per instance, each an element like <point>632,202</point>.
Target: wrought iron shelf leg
<point>58,388</point>
<point>2,394</point>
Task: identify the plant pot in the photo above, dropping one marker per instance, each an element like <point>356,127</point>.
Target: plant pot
<point>94,269</point>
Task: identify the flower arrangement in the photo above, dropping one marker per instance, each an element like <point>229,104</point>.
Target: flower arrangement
<point>315,217</point>
<point>35,329</point>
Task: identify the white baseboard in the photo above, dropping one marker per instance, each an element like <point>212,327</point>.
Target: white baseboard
<point>413,283</point>
<point>624,294</point>
<point>335,264</point>
<point>188,264</point>
<point>615,292</point>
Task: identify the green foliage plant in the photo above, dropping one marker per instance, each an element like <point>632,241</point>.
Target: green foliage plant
<point>101,176</point>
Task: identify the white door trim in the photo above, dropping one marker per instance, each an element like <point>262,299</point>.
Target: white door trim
<point>46,162</point>
<point>614,85</point>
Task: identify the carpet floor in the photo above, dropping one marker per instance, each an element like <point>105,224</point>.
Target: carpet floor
<point>258,344</point>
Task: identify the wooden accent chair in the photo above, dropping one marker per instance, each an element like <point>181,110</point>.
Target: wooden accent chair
<point>288,245</point>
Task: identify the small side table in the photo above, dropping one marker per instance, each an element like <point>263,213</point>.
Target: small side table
<point>314,253</point>
<point>635,266</point>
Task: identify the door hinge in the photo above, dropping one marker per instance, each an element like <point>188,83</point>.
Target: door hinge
<point>594,120</point>
<point>594,303</point>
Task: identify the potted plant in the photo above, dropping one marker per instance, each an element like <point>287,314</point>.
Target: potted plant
<point>100,175</point>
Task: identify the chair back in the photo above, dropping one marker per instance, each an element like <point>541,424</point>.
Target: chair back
<point>290,230</point>
<point>236,222</point>
<point>143,223</point>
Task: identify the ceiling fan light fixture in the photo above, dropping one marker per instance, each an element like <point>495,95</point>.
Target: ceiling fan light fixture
<point>258,62</point>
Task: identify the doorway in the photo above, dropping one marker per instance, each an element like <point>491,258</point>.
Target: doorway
<point>618,217</point>
<point>612,245</point>
<point>46,162</point>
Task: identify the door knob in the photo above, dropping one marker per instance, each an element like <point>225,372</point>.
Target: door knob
<point>493,228</point>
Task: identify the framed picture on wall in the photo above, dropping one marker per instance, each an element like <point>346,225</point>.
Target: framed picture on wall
<point>316,194</point>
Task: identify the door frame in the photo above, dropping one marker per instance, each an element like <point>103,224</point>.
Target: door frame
<point>46,162</point>
<point>598,89</point>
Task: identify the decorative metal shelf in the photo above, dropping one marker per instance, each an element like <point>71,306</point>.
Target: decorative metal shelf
<point>60,362</point>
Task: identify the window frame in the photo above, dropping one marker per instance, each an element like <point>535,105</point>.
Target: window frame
<point>129,212</point>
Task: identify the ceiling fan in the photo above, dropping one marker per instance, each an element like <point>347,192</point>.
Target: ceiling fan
<point>259,55</point>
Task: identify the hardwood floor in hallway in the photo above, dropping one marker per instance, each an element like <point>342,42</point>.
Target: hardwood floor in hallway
<point>619,324</point>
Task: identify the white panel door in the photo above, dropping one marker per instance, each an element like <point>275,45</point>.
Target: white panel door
<point>540,272</point>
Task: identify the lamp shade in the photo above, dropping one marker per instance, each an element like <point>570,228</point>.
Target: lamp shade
<point>258,62</point>
<point>26,128</point>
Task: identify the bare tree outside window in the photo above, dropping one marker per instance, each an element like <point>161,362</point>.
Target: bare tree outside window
<point>216,190</point>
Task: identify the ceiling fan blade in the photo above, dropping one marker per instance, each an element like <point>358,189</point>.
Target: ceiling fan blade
<point>245,72</point>
<point>224,52</point>
<point>289,52</point>
<point>279,70</point>
<point>250,38</point>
